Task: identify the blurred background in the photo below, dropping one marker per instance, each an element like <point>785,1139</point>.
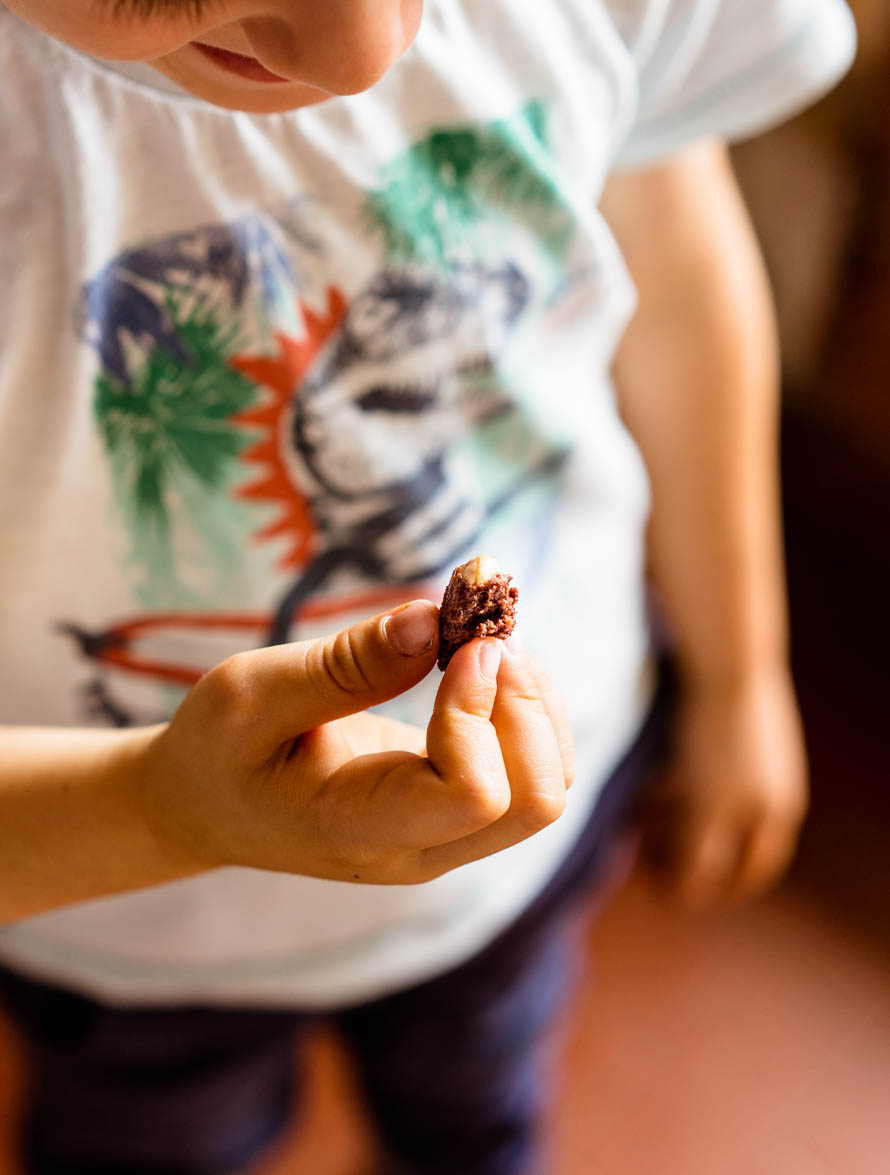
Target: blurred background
<point>819,192</point>
<point>755,1042</point>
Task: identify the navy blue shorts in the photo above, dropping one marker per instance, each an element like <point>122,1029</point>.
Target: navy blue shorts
<point>452,1069</point>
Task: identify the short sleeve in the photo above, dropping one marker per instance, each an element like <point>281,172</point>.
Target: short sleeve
<point>726,68</point>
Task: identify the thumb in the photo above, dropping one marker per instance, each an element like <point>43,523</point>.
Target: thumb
<point>304,685</point>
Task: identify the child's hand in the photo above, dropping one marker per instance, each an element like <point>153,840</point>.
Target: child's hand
<point>724,821</point>
<point>262,766</point>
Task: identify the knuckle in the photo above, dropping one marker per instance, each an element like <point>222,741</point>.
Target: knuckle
<point>432,864</point>
<point>541,809</point>
<point>357,861</point>
<point>339,662</point>
<point>365,861</point>
<point>395,868</point>
<point>227,689</point>
<point>483,804</point>
<point>530,700</point>
<point>459,728</point>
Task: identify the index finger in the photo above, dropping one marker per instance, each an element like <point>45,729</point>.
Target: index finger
<point>531,751</point>
<point>462,744</point>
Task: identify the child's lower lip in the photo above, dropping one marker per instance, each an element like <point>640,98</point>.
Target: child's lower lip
<point>245,67</point>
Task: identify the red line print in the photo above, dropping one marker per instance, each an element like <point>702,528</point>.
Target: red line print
<point>113,648</point>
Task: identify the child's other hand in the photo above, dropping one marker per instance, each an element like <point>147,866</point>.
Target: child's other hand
<point>723,822</point>
<point>269,761</point>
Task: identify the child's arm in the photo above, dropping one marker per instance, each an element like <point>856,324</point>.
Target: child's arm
<point>270,762</point>
<point>698,379</point>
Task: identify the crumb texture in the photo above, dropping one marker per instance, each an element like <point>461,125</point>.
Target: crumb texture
<point>479,601</point>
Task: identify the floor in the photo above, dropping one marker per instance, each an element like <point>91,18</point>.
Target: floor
<point>756,1043</point>
<point>753,1043</point>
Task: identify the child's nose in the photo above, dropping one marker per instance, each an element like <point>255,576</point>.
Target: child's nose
<point>342,46</point>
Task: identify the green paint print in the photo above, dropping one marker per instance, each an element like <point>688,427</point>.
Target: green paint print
<point>170,439</point>
<point>442,187</point>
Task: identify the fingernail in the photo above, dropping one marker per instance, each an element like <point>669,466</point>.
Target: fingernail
<point>412,629</point>
<point>490,659</point>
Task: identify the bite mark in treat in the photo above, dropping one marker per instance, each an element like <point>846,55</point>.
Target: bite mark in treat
<point>479,601</point>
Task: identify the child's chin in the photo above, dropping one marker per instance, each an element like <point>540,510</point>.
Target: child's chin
<point>271,98</point>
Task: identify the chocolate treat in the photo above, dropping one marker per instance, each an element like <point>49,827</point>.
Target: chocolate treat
<point>478,601</point>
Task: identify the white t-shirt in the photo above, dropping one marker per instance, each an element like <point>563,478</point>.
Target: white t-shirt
<point>260,375</point>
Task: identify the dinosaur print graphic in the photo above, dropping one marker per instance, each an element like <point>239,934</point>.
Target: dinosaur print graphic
<point>407,374</point>
<point>363,434</point>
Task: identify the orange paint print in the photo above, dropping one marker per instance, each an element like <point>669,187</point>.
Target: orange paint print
<point>280,376</point>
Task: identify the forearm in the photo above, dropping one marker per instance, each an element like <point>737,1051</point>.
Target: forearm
<point>697,375</point>
<point>72,819</point>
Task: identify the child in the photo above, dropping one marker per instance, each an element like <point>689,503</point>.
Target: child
<point>303,304</point>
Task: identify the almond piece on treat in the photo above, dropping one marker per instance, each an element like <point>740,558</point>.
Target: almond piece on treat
<point>479,601</point>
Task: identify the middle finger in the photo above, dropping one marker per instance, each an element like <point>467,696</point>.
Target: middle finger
<point>533,761</point>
